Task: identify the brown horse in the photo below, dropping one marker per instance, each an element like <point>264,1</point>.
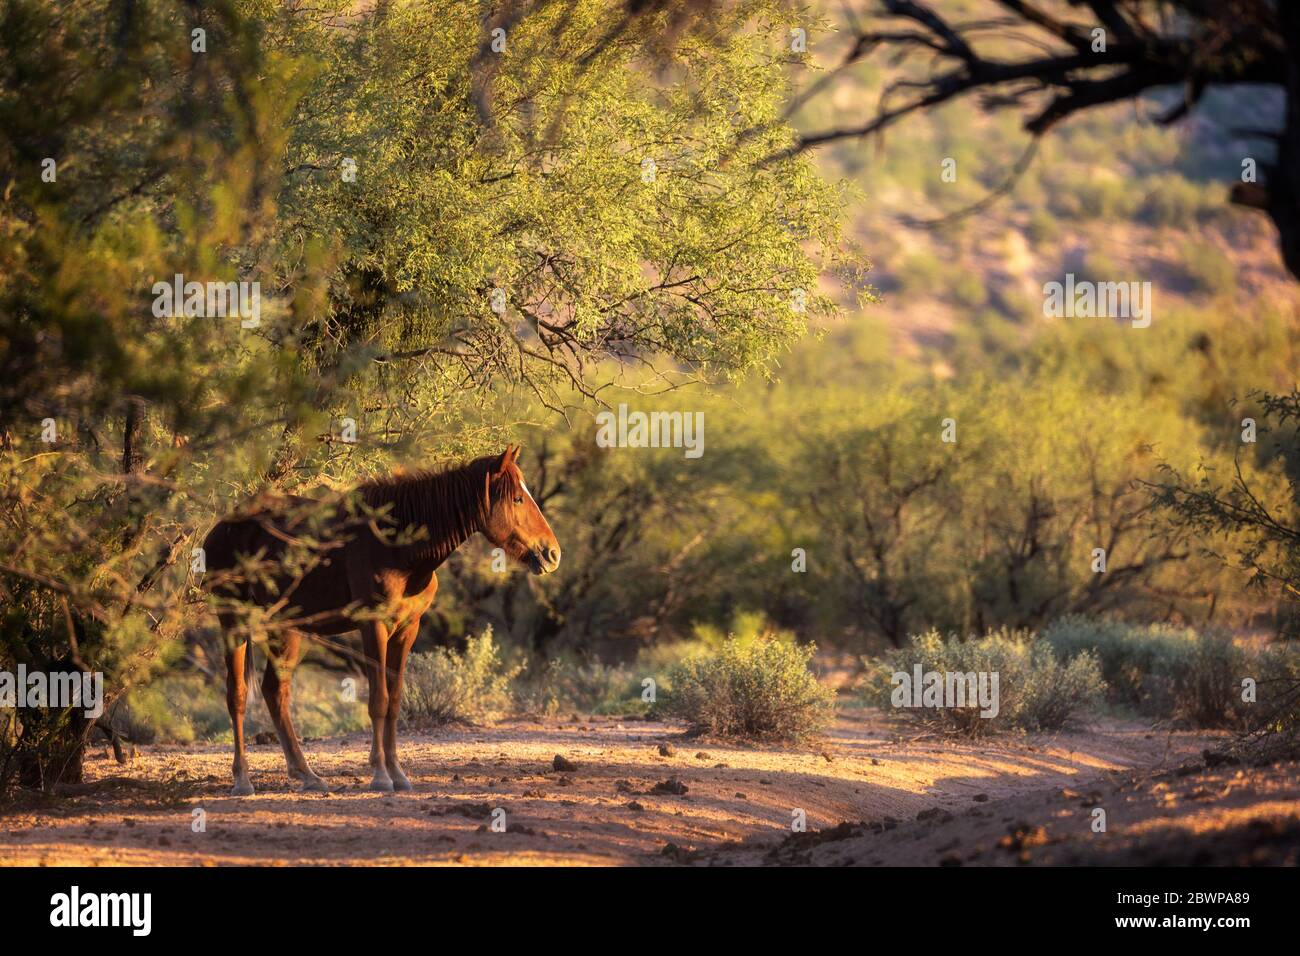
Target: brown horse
<point>364,577</point>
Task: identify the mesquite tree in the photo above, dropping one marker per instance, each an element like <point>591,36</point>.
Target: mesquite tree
<point>250,247</point>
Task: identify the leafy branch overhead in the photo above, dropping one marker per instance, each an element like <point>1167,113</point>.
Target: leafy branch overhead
<point>1250,527</point>
<point>454,215</point>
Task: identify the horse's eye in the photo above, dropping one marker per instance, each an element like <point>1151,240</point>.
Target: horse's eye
<point>519,499</point>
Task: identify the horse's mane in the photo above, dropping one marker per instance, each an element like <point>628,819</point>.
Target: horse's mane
<point>447,501</point>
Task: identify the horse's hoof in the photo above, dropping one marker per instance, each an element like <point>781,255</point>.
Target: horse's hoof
<point>383,784</point>
<point>399,780</point>
<point>242,788</point>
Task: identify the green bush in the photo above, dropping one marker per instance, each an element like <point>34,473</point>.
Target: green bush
<point>188,707</point>
<point>921,274</point>
<point>177,708</point>
<point>758,690</point>
<point>589,687</point>
<point>1126,653</point>
<point>1035,689</point>
<point>1042,226</point>
<point>1203,681</point>
<point>1110,199</point>
<point>445,687</point>
<point>1274,722</point>
<point>1161,670</point>
<point>1173,201</point>
<point>967,290</point>
<point>1209,270</point>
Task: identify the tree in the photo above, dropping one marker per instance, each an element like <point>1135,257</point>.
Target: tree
<point>424,220</point>
<point>996,527</point>
<point>1248,522</point>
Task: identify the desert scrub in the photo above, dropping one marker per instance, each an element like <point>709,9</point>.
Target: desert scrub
<point>178,709</point>
<point>1035,690</point>
<point>447,687</point>
<point>1208,269</point>
<point>589,687</point>
<point>750,690</point>
<point>1175,202</point>
<point>1162,670</point>
<point>189,707</point>
<point>1273,723</point>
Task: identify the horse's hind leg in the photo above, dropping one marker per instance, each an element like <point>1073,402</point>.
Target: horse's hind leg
<point>237,702</point>
<point>277,686</point>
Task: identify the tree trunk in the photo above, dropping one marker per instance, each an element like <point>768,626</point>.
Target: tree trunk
<point>132,450</point>
<point>51,747</point>
<point>1284,183</point>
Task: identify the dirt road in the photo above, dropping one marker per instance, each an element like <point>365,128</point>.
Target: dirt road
<point>641,793</point>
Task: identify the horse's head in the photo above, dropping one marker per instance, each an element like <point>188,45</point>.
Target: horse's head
<point>514,523</point>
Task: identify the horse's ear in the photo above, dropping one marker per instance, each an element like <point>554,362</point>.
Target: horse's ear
<point>507,458</point>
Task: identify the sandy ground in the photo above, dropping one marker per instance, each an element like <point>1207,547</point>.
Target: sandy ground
<point>1192,815</point>
<point>642,793</point>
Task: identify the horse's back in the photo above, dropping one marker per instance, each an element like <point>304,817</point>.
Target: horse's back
<point>263,528</point>
<point>266,530</point>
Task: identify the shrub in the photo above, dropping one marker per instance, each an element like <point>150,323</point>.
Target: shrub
<point>1042,226</point>
<point>921,274</point>
<point>1125,656</point>
<point>1105,198</point>
<point>1160,670</point>
<point>1208,269</point>
<point>1056,691</point>
<point>757,690</point>
<point>1095,266</point>
<point>967,290</point>
<point>1035,689</point>
<point>444,687</point>
<point>178,708</point>
<point>1174,201</point>
<point>1202,681</point>
<point>1274,723</point>
<point>188,707</point>
<point>587,687</point>
<point>745,627</point>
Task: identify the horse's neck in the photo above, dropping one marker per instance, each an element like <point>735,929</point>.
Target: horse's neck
<point>439,549</point>
<point>446,507</point>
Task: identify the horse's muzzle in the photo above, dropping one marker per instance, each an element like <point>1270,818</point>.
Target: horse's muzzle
<point>544,559</point>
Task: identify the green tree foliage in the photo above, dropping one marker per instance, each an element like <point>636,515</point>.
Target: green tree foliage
<point>229,155</point>
<point>899,530</point>
<point>1234,516</point>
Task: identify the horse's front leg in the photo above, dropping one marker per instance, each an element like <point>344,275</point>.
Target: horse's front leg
<point>399,648</point>
<point>237,701</point>
<point>374,644</point>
